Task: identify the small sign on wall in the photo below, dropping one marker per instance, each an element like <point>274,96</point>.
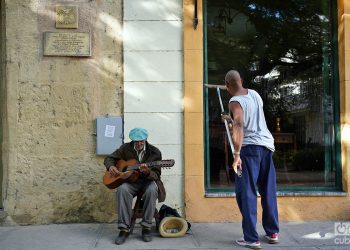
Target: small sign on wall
<point>66,17</point>
<point>67,44</point>
<point>109,134</point>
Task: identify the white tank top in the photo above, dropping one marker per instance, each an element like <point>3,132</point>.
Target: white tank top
<point>254,128</point>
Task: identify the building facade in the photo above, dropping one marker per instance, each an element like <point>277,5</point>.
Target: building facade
<point>148,62</point>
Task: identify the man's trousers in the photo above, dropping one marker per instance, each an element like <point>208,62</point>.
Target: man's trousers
<point>257,171</point>
<point>124,197</point>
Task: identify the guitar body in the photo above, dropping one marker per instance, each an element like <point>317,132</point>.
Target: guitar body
<point>129,172</point>
<point>114,181</point>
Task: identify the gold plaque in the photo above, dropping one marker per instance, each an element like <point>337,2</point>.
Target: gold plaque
<point>66,17</point>
<point>67,44</point>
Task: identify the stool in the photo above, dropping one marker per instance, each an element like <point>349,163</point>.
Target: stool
<point>137,213</point>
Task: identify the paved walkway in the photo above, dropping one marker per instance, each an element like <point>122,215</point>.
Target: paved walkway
<point>297,235</point>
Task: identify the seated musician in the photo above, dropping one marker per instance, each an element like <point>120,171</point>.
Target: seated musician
<point>148,182</point>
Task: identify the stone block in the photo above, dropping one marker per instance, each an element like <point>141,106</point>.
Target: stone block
<point>153,97</point>
<point>152,35</point>
<point>153,10</point>
<point>174,186</point>
<point>163,128</point>
<point>172,152</point>
<point>153,66</point>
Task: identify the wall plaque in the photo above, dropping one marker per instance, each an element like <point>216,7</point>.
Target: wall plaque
<point>66,17</point>
<point>67,44</point>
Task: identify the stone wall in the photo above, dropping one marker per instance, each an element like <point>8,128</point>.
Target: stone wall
<point>52,174</point>
<point>2,94</point>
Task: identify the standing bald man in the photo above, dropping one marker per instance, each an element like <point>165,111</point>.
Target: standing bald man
<point>254,146</point>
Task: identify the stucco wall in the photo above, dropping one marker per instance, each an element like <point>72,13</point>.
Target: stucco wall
<point>52,174</point>
<point>153,74</point>
<point>219,209</point>
<point>2,94</point>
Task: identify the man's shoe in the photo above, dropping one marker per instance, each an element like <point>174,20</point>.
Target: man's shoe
<point>121,237</point>
<point>272,239</point>
<point>146,234</point>
<point>253,245</point>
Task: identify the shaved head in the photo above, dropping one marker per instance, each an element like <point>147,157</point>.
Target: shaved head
<point>233,77</point>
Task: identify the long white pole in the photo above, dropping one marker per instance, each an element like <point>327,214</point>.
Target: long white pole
<point>225,121</point>
<point>218,87</point>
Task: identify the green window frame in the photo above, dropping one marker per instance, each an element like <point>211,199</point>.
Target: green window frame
<point>331,88</point>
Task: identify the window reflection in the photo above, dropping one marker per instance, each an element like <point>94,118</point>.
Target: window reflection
<point>284,50</point>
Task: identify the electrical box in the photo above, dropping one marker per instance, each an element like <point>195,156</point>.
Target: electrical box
<point>109,134</point>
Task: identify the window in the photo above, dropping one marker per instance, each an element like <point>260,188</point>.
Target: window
<point>287,51</point>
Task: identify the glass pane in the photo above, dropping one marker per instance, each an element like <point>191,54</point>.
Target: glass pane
<point>283,49</point>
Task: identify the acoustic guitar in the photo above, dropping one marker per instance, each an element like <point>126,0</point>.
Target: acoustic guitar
<point>129,174</point>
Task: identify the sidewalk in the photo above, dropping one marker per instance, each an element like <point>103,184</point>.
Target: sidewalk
<point>294,235</point>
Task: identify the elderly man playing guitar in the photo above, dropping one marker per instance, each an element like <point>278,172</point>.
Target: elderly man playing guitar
<point>145,179</point>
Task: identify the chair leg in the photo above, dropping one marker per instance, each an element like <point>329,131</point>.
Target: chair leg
<point>157,224</point>
<point>135,212</point>
<point>156,217</point>
<point>132,224</point>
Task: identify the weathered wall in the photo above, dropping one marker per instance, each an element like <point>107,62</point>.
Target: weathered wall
<point>153,63</point>
<point>52,174</point>
<point>2,94</point>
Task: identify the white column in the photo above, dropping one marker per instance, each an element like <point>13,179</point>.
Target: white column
<point>153,82</point>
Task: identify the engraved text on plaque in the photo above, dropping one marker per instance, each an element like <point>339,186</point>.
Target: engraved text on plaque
<point>67,44</point>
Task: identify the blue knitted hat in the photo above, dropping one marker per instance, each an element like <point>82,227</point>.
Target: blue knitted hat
<point>138,134</point>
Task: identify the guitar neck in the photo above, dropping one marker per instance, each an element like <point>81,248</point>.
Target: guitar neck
<point>149,164</point>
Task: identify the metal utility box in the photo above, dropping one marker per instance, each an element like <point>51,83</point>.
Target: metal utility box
<point>109,134</point>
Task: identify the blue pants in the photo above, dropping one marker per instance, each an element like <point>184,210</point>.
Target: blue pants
<point>257,171</point>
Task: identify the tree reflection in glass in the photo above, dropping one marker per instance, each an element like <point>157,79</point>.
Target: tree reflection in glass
<point>285,51</point>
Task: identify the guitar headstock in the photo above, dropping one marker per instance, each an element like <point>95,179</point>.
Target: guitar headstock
<point>166,163</point>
